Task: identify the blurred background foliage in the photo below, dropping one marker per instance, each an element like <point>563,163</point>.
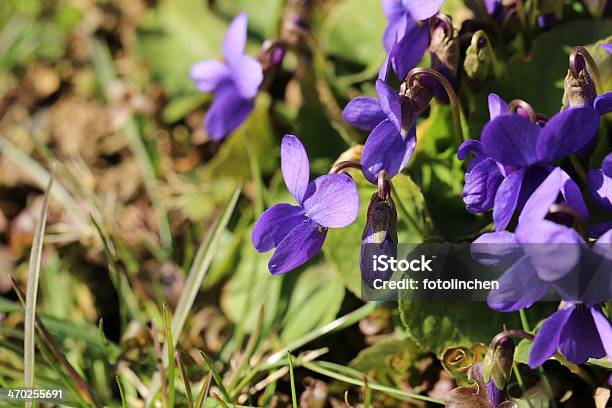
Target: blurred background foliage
<point>98,93</point>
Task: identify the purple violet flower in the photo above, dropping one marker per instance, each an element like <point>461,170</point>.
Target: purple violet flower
<point>483,175</point>
<point>298,231</point>
<point>522,151</point>
<point>540,252</point>
<point>600,183</point>
<point>405,39</point>
<point>235,82</point>
<point>580,330</point>
<point>607,47</point>
<point>388,147</point>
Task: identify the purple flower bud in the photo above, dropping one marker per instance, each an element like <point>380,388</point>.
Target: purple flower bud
<point>298,232</point>
<point>379,237</point>
<point>444,52</point>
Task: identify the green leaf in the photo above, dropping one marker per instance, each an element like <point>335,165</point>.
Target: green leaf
<point>315,300</point>
<point>521,352</point>
<point>538,78</point>
<point>232,160</point>
<point>32,290</point>
<point>388,356</point>
<point>251,286</point>
<point>264,15</point>
<point>176,34</point>
<point>353,31</point>
<point>193,283</point>
<point>414,224</point>
<point>437,325</point>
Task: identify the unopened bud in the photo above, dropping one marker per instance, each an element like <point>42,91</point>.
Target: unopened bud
<point>498,362</point>
<point>444,48</point>
<point>379,237</point>
<point>579,89</point>
<point>478,59</point>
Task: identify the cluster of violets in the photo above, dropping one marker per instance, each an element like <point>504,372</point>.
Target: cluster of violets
<point>514,171</point>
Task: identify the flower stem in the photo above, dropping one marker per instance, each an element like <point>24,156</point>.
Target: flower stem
<point>347,164</point>
<point>574,368</point>
<point>452,96</point>
<point>574,64</point>
<point>312,366</point>
<point>517,104</point>
<point>338,324</point>
<point>578,167</point>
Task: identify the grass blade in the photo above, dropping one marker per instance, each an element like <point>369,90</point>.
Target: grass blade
<point>216,376</point>
<point>106,74</point>
<point>292,378</point>
<point>41,177</point>
<point>81,386</point>
<point>32,292</point>
<point>170,342</point>
<point>201,264</point>
<point>367,393</point>
<point>160,365</point>
<point>220,400</point>
<point>119,280</point>
<point>338,324</point>
<point>179,364</point>
<point>204,391</point>
<point>248,352</point>
<point>124,403</point>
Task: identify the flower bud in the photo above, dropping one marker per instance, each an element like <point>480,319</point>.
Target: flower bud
<point>379,237</point>
<point>419,95</point>
<point>498,362</point>
<point>579,89</point>
<point>478,60</point>
<point>444,51</point>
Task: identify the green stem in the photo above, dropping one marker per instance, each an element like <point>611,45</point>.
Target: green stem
<point>338,324</point>
<point>578,167</point>
<point>407,396</point>
<point>452,96</point>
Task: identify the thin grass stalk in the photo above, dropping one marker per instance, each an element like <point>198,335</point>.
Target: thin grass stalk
<point>399,394</point>
<point>32,293</point>
<point>292,379</point>
<point>160,364</point>
<point>188,393</point>
<point>216,376</point>
<point>81,386</point>
<point>124,403</point>
<point>198,270</point>
<point>220,400</point>
<point>249,350</point>
<point>204,390</point>
<point>170,342</point>
<point>338,324</point>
